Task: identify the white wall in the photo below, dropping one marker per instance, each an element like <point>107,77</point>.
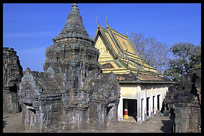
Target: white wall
<point>139,92</point>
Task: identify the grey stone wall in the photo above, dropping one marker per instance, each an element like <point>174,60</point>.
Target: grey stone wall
<point>12,73</point>
<point>183,101</point>
<point>187,118</point>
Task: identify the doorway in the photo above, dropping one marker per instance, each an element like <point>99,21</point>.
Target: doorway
<point>153,103</point>
<point>158,102</point>
<point>131,106</point>
<point>147,106</point>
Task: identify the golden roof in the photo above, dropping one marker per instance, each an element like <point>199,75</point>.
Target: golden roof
<point>117,54</point>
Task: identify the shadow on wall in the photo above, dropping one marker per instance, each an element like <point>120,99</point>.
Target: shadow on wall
<point>167,126</point>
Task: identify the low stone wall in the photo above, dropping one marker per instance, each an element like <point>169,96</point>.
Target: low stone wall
<point>184,101</point>
<point>188,118</point>
<point>10,102</point>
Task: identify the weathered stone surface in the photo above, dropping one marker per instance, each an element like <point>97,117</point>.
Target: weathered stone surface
<point>40,98</point>
<point>184,103</point>
<point>71,93</point>
<point>74,27</point>
<point>12,73</point>
<point>187,118</point>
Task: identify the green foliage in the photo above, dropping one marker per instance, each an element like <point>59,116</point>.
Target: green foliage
<point>186,58</point>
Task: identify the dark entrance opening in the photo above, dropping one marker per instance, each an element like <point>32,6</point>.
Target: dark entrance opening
<point>131,106</point>
<point>158,101</point>
<point>34,111</point>
<point>147,106</point>
<point>108,109</point>
<point>153,102</point>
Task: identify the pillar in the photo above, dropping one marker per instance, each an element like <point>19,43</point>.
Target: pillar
<point>155,103</point>
<point>138,103</point>
<point>142,109</point>
<point>145,105</point>
<point>69,123</point>
<point>120,109</point>
<point>150,106</point>
<point>161,101</point>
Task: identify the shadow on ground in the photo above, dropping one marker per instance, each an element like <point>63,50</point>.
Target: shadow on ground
<point>167,126</point>
<point>4,123</point>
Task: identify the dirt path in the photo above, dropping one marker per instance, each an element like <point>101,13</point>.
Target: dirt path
<point>156,124</point>
<point>12,122</point>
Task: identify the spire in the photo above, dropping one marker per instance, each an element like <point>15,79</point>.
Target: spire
<point>127,32</point>
<point>74,9</point>
<point>74,26</point>
<point>98,25</point>
<point>97,20</point>
<point>74,5</point>
<point>107,22</point>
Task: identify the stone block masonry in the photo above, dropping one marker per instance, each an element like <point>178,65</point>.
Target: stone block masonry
<point>72,93</point>
<point>12,74</point>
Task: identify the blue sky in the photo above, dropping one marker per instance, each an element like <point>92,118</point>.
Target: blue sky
<point>30,28</point>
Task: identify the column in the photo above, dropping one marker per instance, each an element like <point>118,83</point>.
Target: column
<point>144,108</point>
<point>150,106</point>
<point>155,102</point>
<point>161,100</point>
<point>155,99</point>
<point>120,109</point>
<point>138,103</point>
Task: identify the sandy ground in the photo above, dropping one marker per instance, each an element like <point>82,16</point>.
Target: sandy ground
<point>156,124</point>
<point>12,122</point>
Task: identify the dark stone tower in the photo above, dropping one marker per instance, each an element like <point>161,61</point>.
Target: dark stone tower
<point>71,93</point>
<point>73,53</point>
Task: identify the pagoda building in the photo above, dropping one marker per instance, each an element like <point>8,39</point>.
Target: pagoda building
<point>143,88</point>
<point>117,54</point>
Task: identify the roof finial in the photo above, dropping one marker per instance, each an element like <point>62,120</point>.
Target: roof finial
<point>74,5</point>
<point>127,32</point>
<point>97,21</point>
<point>107,22</point>
<point>74,9</point>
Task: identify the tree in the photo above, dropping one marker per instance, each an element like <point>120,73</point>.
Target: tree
<point>151,51</point>
<point>186,58</point>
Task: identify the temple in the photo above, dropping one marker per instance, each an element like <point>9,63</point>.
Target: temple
<point>143,88</point>
<point>71,93</point>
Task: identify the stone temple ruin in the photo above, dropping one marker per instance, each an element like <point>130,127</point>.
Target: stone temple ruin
<point>183,101</point>
<point>72,93</point>
<point>12,73</point>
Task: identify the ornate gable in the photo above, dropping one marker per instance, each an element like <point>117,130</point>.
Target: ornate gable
<point>124,55</point>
